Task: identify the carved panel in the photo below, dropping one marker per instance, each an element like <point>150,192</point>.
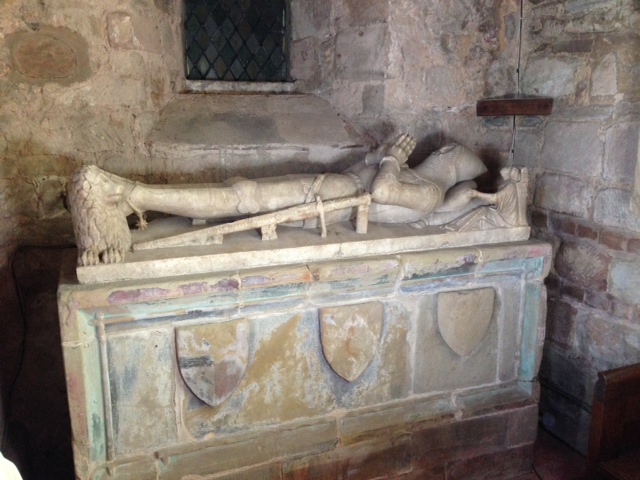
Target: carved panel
<point>464,318</point>
<point>213,358</point>
<point>350,335</point>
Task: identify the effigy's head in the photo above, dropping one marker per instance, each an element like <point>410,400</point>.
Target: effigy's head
<point>463,163</point>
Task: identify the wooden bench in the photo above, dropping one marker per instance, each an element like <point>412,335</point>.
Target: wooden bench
<point>614,440</point>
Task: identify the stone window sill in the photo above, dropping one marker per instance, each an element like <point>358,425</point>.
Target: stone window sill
<point>208,86</point>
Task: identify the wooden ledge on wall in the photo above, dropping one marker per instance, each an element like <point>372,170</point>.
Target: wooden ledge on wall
<point>514,105</point>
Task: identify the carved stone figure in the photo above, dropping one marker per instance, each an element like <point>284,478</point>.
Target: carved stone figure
<point>100,201</point>
<point>507,206</point>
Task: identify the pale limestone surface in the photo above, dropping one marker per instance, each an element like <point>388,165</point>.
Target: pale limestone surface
<point>221,122</point>
<point>246,250</point>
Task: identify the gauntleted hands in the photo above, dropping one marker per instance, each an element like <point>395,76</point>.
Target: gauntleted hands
<point>400,149</point>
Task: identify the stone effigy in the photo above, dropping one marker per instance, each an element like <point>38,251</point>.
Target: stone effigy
<point>185,356</point>
<point>438,191</point>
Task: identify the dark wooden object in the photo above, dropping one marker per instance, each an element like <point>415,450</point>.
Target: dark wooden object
<point>614,440</point>
<point>508,106</point>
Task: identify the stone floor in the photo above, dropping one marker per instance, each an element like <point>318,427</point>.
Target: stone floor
<point>554,460</point>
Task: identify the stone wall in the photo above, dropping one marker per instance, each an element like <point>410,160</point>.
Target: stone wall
<point>585,54</point>
<point>411,65</point>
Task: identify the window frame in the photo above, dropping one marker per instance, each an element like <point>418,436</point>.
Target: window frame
<point>221,85</point>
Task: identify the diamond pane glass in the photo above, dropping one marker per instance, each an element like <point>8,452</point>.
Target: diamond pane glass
<point>236,40</point>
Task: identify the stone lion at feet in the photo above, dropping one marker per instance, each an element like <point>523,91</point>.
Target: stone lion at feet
<point>100,225</point>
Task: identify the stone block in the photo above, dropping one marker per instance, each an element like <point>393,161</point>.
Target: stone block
<point>581,6</point>
<point>562,193</point>
<point>506,464</point>
<point>459,440</point>
<point>361,54</point>
<point>90,131</point>
<point>604,77</point>
<point>539,219</point>
<point>583,265</point>
<point>523,426</point>
<point>611,208</point>
<point>561,322</point>
<point>527,150</point>
<point>429,266</point>
<point>599,300</point>
<point>438,367</point>
<point>18,198</point>
<point>624,278</point>
<point>278,284</point>
<point>271,471</point>
<point>573,291</point>
<point>564,372</point>
<point>442,86</point>
<point>576,45</point>
<point>626,51</point>
<point>373,99</point>
<point>247,450</point>
<point>551,76</point>
<point>305,64</point>
<point>142,469</point>
<point>605,342</point>
<point>331,278</point>
<point>622,310</point>
<point>572,147</point>
<point>488,400</point>
<point>587,231</point>
<point>50,192</point>
<point>633,245</point>
<point>253,136</point>
<point>120,30</point>
<point>312,19</point>
<point>377,422</point>
<point>565,419</point>
<point>621,150</point>
<point>597,16</point>
<point>563,224</point>
<point>365,13</point>
<point>381,458</point>
<point>132,31</point>
<point>141,378</point>
<point>613,240</point>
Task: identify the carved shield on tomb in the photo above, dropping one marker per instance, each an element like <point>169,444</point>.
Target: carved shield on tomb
<point>464,318</point>
<point>213,358</point>
<point>350,335</point>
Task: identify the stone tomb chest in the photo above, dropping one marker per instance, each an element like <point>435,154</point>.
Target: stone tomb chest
<point>410,359</point>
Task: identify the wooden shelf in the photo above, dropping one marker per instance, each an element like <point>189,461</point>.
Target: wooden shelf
<point>514,105</point>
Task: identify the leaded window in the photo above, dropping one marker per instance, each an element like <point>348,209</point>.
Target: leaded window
<point>236,40</point>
